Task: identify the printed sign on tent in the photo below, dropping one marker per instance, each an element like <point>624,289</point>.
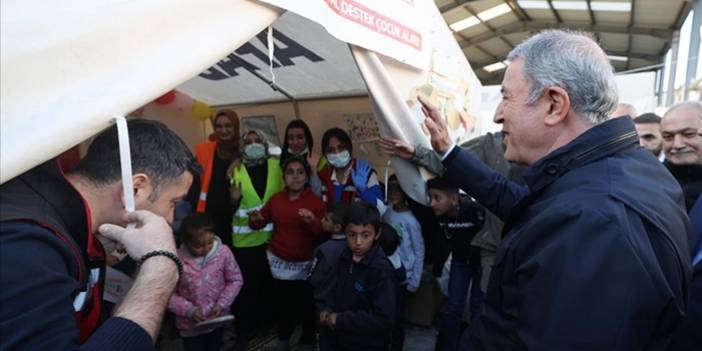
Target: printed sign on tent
<point>307,62</point>
<point>395,28</point>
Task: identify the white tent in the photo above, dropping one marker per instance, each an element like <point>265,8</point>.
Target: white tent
<point>69,68</point>
<point>307,63</point>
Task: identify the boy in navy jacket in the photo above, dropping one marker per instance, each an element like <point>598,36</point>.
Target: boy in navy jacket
<point>363,310</point>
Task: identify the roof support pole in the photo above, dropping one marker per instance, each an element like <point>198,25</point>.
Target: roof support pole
<point>693,54</point>
<point>659,85</point>
<point>673,67</point>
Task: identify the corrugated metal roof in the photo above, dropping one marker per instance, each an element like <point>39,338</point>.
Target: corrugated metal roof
<point>643,34</point>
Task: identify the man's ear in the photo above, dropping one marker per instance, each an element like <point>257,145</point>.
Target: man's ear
<point>558,105</point>
<point>338,228</point>
<point>142,187</point>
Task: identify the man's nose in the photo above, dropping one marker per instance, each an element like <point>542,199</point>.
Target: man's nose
<point>678,141</point>
<point>498,115</point>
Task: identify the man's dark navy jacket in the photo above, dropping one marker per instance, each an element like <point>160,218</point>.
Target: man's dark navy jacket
<point>43,240</point>
<point>688,336</point>
<point>594,253</point>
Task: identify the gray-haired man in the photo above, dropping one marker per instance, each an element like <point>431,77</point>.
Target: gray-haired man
<point>594,253</point>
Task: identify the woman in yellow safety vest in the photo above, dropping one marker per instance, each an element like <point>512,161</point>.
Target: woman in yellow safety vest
<point>252,184</point>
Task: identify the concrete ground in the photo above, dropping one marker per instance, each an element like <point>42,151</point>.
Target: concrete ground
<point>417,338</point>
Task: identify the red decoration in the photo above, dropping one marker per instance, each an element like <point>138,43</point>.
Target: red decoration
<point>166,98</point>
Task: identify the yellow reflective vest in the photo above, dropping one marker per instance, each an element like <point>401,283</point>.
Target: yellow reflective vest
<point>242,235</point>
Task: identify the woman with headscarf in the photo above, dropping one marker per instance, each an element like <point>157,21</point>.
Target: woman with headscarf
<point>210,193</point>
<point>253,183</point>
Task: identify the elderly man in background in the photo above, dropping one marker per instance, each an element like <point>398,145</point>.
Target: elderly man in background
<point>681,129</point>
<point>648,126</point>
<point>625,109</point>
<point>594,253</point>
<point>682,143</point>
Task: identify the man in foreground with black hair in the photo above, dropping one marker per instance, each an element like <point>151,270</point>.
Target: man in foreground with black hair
<point>53,264</point>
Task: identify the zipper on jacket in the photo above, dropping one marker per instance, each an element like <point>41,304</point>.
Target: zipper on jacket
<point>612,142</point>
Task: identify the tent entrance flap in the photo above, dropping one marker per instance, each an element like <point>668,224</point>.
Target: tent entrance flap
<point>99,60</point>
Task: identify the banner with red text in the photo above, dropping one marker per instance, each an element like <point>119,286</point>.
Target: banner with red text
<point>395,28</point>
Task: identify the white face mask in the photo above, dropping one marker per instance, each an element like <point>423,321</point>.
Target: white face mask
<point>339,160</point>
<point>304,151</point>
<point>254,151</point>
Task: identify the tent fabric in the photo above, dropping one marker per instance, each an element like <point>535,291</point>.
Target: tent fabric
<point>307,62</point>
<point>393,88</point>
<point>67,68</point>
<point>394,28</point>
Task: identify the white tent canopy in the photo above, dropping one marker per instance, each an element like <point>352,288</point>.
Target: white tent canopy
<point>307,63</point>
<point>69,69</point>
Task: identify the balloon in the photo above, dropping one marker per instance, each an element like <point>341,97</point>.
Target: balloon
<point>201,111</point>
<point>166,98</point>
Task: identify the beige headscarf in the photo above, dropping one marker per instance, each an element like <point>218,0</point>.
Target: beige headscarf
<point>228,149</point>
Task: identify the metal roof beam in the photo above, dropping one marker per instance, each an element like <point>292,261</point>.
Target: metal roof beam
<point>519,27</point>
<point>592,13</point>
<point>488,26</point>
<point>447,8</point>
<point>555,13</point>
<point>518,10</point>
<point>685,8</point>
<point>636,55</point>
<point>631,37</point>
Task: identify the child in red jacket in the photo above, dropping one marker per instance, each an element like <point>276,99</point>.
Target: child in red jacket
<point>296,214</point>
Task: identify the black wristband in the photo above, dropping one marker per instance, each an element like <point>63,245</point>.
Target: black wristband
<point>165,253</point>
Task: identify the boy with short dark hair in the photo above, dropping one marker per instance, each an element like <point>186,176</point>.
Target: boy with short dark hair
<point>363,310</point>
<point>389,241</point>
<point>323,272</point>
<point>460,218</point>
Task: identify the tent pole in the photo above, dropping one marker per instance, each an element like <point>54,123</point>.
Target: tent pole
<point>270,83</point>
<point>296,108</point>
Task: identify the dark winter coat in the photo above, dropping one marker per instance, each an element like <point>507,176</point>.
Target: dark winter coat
<point>365,301</point>
<point>594,253</point>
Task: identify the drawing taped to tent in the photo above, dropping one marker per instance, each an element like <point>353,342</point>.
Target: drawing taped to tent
<point>362,127</point>
<point>452,99</point>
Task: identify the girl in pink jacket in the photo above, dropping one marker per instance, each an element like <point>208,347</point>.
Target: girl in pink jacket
<point>210,281</point>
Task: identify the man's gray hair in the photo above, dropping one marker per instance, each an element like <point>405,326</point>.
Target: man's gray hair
<point>574,62</point>
<point>686,104</point>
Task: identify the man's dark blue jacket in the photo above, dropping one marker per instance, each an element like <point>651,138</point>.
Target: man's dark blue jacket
<point>38,268</point>
<point>688,336</point>
<point>594,253</point>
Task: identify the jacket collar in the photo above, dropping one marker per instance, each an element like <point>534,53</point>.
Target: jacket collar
<point>186,256</point>
<point>367,259</point>
<point>50,182</point>
<point>684,171</point>
<point>596,143</point>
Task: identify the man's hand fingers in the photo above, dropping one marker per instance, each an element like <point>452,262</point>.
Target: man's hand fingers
<point>112,232</point>
<point>431,126</point>
<point>431,111</point>
<point>140,217</point>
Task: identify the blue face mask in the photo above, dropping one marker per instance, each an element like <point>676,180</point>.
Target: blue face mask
<point>254,151</point>
<point>339,160</point>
